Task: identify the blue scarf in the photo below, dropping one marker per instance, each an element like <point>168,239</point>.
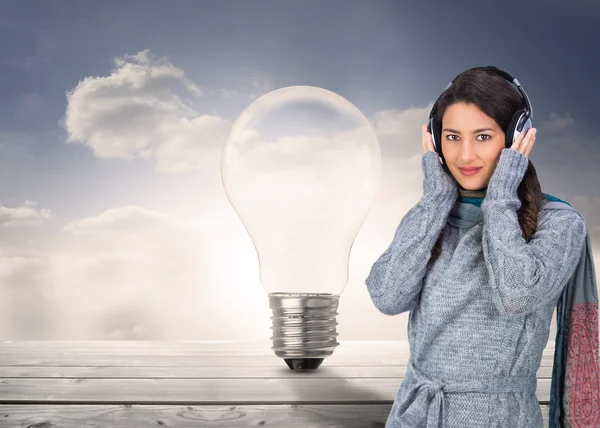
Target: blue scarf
<point>575,387</point>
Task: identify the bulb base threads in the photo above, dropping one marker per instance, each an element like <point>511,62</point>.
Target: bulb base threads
<point>304,330</point>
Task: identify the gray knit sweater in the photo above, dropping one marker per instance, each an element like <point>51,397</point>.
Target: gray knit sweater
<point>480,315</point>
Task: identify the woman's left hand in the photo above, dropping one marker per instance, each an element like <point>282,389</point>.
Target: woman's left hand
<point>524,144</point>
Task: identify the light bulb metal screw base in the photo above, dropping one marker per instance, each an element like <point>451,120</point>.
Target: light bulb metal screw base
<point>304,330</point>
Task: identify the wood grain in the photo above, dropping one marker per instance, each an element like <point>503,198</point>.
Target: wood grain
<point>118,384</point>
<point>134,416</point>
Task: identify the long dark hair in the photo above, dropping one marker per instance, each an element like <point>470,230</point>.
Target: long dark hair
<point>498,99</point>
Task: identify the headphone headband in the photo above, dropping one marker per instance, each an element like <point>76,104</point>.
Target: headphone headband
<point>510,79</point>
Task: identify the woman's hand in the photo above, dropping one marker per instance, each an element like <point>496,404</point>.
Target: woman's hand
<point>427,140</point>
<point>524,144</point>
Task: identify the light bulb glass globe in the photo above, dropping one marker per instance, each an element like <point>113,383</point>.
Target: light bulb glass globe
<point>301,167</point>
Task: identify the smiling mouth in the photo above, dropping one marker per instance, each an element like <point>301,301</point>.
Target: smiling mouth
<point>471,171</point>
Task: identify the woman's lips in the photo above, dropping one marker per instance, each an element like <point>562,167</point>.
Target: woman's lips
<point>469,171</point>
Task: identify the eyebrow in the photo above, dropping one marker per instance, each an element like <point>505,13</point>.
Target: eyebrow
<point>474,132</point>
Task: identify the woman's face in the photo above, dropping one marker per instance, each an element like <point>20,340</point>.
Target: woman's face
<point>471,139</point>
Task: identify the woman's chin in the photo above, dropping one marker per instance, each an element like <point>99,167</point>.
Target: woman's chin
<point>469,182</point>
<point>471,185</point>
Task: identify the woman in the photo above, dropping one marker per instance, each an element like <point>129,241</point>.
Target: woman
<point>480,264</point>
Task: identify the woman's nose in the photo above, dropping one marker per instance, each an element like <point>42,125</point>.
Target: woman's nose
<point>467,152</point>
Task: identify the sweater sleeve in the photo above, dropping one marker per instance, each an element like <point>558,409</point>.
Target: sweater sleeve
<point>526,275</point>
<point>396,278</point>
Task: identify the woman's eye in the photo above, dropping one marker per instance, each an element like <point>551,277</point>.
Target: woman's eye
<point>480,135</point>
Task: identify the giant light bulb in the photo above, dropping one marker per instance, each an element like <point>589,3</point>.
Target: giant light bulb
<point>301,167</point>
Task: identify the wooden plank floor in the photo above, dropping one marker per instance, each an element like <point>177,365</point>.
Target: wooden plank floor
<point>130,384</point>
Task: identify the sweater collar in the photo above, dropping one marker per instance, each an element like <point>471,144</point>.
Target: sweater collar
<point>466,211</point>
<point>471,196</point>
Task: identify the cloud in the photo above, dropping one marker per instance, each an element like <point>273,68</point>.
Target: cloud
<point>141,110</point>
<point>26,215</point>
<point>11,140</point>
<point>26,310</point>
<point>17,267</point>
<point>399,134</point>
<point>225,93</point>
<point>192,144</point>
<point>558,123</point>
<point>262,82</point>
<point>400,123</point>
<point>399,131</point>
<point>129,273</point>
<point>118,220</point>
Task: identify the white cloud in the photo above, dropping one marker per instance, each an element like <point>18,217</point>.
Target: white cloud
<point>11,267</point>
<point>130,273</point>
<point>399,131</point>
<point>262,82</point>
<point>399,134</point>
<point>192,144</point>
<point>558,123</point>
<point>10,141</point>
<point>140,110</point>
<point>225,93</point>
<point>401,123</point>
<point>26,215</point>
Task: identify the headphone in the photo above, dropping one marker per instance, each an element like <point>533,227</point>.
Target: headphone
<point>519,123</point>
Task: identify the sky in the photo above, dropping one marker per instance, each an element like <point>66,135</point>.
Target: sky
<point>114,223</point>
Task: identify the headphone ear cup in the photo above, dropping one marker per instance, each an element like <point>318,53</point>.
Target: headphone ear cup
<point>511,131</point>
<point>430,130</point>
<point>527,125</point>
<point>435,138</point>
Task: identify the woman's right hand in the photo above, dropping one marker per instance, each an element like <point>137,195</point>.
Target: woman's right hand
<point>427,140</point>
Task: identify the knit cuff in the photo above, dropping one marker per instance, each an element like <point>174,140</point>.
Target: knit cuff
<point>438,185</point>
<point>508,175</point>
